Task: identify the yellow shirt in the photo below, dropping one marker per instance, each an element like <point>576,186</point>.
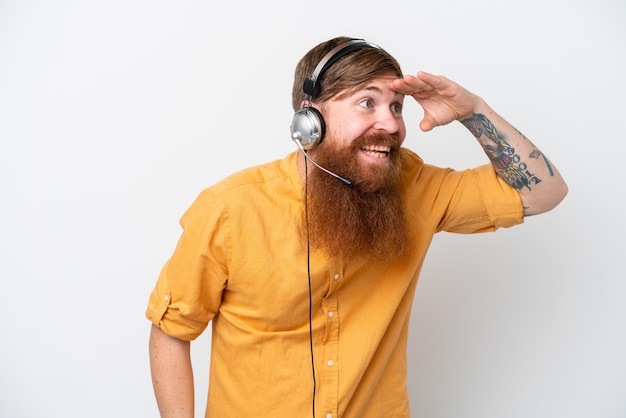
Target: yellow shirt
<point>240,265</point>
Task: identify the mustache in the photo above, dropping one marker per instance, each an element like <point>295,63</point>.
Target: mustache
<point>378,138</point>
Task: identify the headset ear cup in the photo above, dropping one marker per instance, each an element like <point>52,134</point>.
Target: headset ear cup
<point>308,127</point>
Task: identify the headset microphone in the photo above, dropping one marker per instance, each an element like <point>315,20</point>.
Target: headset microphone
<point>345,181</point>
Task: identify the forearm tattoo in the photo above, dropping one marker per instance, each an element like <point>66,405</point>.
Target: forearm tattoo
<point>508,164</point>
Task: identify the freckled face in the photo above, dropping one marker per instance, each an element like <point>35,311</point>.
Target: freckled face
<point>365,131</point>
<point>373,109</point>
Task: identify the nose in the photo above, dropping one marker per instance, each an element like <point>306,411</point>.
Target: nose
<point>388,121</point>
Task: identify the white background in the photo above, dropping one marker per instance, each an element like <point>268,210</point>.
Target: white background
<point>114,115</point>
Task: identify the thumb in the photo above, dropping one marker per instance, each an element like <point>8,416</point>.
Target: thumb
<point>427,123</point>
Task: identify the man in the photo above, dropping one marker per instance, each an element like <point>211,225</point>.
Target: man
<point>307,266</point>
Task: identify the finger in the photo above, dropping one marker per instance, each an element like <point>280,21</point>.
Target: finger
<point>437,82</point>
<point>401,86</point>
<point>409,85</point>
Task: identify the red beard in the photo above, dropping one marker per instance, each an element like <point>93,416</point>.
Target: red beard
<point>367,220</point>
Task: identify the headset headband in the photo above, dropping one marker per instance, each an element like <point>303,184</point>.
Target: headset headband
<point>310,86</point>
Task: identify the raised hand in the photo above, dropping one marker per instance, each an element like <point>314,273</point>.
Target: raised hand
<point>443,100</point>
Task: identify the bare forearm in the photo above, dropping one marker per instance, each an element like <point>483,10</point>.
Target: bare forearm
<point>172,375</point>
<point>517,161</point>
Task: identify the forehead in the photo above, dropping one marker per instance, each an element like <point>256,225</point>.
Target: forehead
<point>377,85</point>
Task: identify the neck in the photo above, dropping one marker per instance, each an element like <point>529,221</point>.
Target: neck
<point>301,161</point>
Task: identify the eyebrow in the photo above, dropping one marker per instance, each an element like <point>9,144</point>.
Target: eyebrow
<point>373,87</point>
<point>377,89</point>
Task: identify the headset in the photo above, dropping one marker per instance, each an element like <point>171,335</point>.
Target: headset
<point>308,127</point>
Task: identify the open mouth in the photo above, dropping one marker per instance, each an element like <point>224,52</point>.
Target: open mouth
<point>377,151</point>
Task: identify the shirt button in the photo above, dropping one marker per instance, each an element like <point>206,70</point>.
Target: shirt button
<point>331,314</point>
<point>336,276</point>
<point>330,363</point>
<point>166,298</point>
<point>329,415</point>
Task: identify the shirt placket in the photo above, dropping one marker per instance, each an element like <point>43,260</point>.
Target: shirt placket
<point>330,364</point>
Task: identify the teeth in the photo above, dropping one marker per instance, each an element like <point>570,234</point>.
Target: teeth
<point>381,148</point>
<point>378,151</point>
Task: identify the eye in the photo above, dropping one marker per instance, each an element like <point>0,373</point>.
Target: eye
<point>396,107</point>
<point>367,103</point>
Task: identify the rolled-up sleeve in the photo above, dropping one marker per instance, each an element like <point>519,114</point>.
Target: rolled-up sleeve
<point>188,291</point>
<point>502,202</point>
<point>468,201</point>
